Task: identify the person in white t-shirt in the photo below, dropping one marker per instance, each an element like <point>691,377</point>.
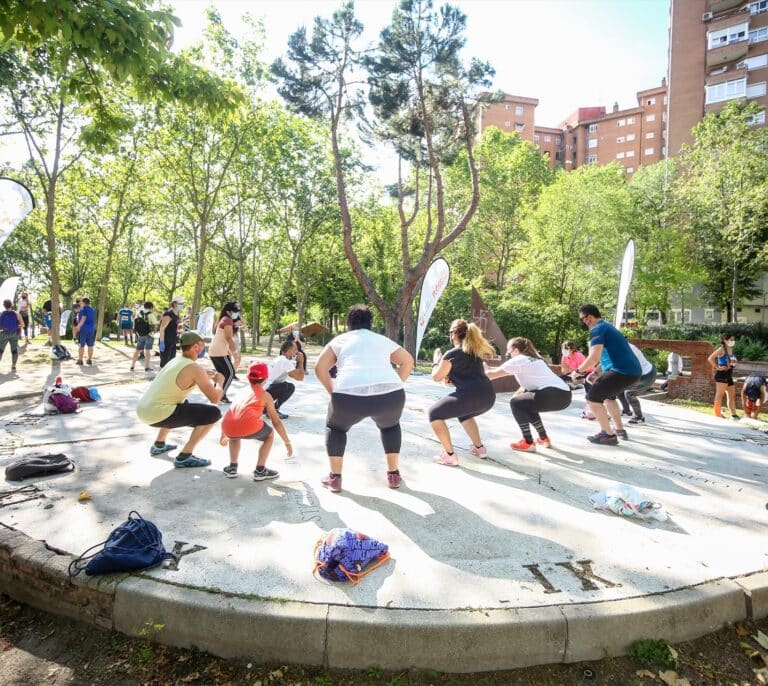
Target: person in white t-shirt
<point>366,385</point>
<point>284,366</point>
<point>541,390</point>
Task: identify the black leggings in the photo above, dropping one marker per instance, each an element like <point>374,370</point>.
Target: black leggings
<point>526,406</point>
<point>224,365</point>
<point>629,399</point>
<point>25,319</point>
<point>344,411</point>
<point>281,391</point>
<point>465,403</point>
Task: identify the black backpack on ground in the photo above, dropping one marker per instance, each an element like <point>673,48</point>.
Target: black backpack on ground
<point>141,325</point>
<point>38,466</point>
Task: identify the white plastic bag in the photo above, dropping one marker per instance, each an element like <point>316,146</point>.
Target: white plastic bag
<point>627,501</point>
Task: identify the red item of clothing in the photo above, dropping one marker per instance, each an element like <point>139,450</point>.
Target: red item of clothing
<point>244,417</point>
<point>574,360</point>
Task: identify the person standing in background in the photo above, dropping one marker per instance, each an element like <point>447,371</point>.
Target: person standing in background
<point>24,308</point>
<point>125,324</point>
<point>85,330</point>
<point>169,331</point>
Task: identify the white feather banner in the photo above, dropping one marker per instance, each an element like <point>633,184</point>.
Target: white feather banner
<point>432,287</point>
<point>627,269</point>
<point>16,202</point>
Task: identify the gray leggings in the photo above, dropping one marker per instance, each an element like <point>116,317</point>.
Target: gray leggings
<point>13,339</point>
<point>344,411</point>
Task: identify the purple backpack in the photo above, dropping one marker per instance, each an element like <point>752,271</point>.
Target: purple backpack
<point>64,404</point>
<point>346,555</point>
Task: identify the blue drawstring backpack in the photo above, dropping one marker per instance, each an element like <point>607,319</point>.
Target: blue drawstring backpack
<point>346,555</point>
<point>136,544</point>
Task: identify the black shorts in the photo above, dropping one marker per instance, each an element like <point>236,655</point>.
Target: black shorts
<point>609,385</point>
<point>724,376</point>
<point>190,414</point>
<point>464,404</point>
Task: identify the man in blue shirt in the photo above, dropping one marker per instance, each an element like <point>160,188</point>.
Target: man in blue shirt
<point>125,324</point>
<point>85,330</point>
<point>620,369</point>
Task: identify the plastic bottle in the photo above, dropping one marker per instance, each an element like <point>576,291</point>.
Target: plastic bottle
<point>57,383</point>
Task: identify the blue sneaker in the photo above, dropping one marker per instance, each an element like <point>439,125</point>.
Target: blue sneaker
<point>191,461</point>
<point>166,448</point>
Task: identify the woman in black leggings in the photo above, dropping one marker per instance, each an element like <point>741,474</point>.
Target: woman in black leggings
<point>462,367</point>
<point>223,351</point>
<point>541,390</point>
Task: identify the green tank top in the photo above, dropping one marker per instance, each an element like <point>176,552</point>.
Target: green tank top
<point>163,395</point>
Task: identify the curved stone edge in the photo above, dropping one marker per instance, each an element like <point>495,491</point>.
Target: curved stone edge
<point>357,638</point>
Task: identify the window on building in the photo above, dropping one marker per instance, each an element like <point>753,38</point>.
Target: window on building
<point>630,153</point>
<point>664,116</point>
<point>591,159</point>
<point>650,118</point>
<point>592,128</point>
<point>759,118</point>
<point>507,124</point>
<point>519,110</point>
<point>558,155</point>
<point>592,143</point>
<point>619,155</point>
<point>650,134</point>
<point>758,34</point>
<point>649,151</point>
<point>758,7</point>
<point>519,126</point>
<point>756,90</point>
<point>536,137</point>
<point>620,139</point>
<point>630,137</point>
<point>651,101</point>
<point>630,121</point>
<point>630,170</point>
<point>558,140</point>
<point>547,139</point>
<point>665,99</point>
<point>507,107</point>
<point>727,90</point>
<point>756,62</point>
<point>621,122</point>
<point>663,150</point>
<point>732,34</point>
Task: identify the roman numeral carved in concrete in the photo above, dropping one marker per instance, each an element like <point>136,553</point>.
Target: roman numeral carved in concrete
<point>179,552</point>
<point>583,572</point>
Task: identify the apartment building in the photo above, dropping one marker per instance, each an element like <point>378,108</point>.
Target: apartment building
<point>718,52</point>
<point>512,113</point>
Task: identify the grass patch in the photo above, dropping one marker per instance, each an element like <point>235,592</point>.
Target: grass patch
<point>695,405</point>
<point>652,652</point>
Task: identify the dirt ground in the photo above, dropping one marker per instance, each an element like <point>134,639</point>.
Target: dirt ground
<point>38,648</point>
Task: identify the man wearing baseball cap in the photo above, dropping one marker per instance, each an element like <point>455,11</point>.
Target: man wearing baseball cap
<point>169,330</point>
<point>244,420</point>
<point>164,404</point>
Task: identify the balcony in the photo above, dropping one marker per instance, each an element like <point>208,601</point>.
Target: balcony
<point>727,53</point>
<point>716,6</point>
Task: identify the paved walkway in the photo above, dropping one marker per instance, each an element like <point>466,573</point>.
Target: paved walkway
<point>497,550</point>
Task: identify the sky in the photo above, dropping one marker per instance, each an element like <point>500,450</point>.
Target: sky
<point>566,53</point>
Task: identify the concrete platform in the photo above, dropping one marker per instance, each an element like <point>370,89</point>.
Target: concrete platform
<point>499,563</point>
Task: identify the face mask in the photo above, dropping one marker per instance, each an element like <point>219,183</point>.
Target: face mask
<point>730,344</point>
<point>565,351</point>
<point>295,333</point>
<point>584,326</point>
<point>235,315</point>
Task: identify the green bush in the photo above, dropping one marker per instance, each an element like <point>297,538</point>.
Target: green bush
<point>652,652</point>
<point>748,349</point>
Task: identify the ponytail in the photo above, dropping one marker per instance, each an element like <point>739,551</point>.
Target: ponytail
<point>475,344</point>
<point>525,347</point>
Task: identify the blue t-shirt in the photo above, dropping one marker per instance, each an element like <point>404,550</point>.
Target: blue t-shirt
<point>125,317</point>
<point>617,355</point>
<point>86,318</point>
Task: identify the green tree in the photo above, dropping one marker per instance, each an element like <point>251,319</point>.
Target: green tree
<point>724,186</point>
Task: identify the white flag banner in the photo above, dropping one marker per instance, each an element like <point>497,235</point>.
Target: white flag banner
<point>627,268</point>
<point>63,321</point>
<point>8,289</point>
<point>205,322</point>
<point>432,287</point>
<point>16,202</point>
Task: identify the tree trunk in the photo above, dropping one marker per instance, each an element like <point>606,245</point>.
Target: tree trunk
<point>279,308</point>
<point>198,294</point>
<point>50,240</point>
<point>734,291</point>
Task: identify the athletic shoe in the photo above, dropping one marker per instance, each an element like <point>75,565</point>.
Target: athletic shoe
<point>264,474</point>
<point>191,461</point>
<point>626,413</point>
<point>332,483</point>
<point>13,369</point>
<point>225,400</point>
<point>544,442</point>
<point>393,479</point>
<point>481,452</point>
<point>448,460</point>
<point>147,369</point>
<point>230,471</point>
<point>622,434</point>
<point>167,447</point>
<point>132,369</point>
<point>735,417</point>
<point>603,438</point>
<point>282,415</point>
<point>637,420</point>
<point>80,362</point>
<point>523,445</point>
<point>90,361</point>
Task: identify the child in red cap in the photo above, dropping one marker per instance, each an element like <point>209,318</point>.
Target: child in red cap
<point>243,420</point>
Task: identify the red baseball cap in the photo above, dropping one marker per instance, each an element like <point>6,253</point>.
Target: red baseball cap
<point>258,371</point>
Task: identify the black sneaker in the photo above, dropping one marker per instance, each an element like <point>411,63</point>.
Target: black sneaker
<point>230,471</point>
<point>626,413</point>
<point>735,417</point>
<point>622,434</point>
<point>637,420</point>
<point>263,474</point>
<point>603,438</point>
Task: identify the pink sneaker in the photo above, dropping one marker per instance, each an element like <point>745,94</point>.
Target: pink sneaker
<point>544,442</point>
<point>447,460</point>
<point>332,483</point>
<point>480,452</point>
<point>523,445</point>
<point>393,479</point>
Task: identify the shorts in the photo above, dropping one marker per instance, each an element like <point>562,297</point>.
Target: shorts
<point>724,376</point>
<point>128,328</point>
<point>190,414</point>
<point>750,405</point>
<point>609,385</point>
<point>145,342</point>
<point>47,321</point>
<point>261,435</point>
<point>86,338</point>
